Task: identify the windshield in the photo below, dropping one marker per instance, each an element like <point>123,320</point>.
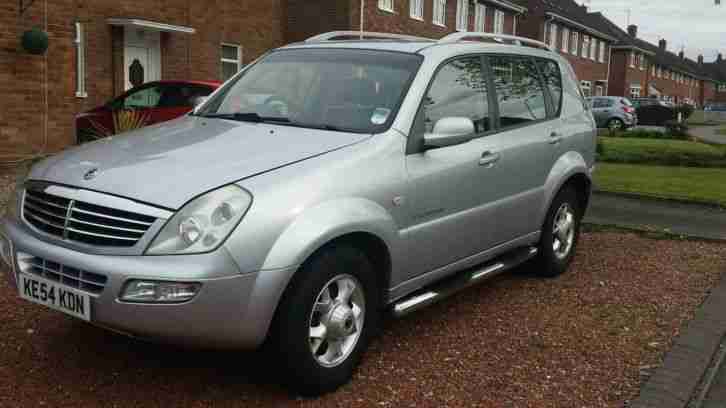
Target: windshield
<point>336,89</point>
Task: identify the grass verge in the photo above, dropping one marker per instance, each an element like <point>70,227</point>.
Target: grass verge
<point>661,152</point>
<point>706,185</point>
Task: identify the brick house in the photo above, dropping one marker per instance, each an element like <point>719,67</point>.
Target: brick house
<point>424,18</point>
<point>90,45</point>
<point>576,34</point>
<point>716,92</point>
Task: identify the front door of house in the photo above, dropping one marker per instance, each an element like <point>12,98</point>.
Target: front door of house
<point>142,57</point>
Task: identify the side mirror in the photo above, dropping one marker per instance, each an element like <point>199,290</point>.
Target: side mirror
<point>449,132</point>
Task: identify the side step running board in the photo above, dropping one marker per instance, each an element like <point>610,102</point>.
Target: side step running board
<point>460,281</point>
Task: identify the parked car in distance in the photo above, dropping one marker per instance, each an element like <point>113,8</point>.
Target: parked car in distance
<point>715,107</point>
<point>613,112</point>
<point>144,105</point>
<point>640,102</point>
<point>327,183</point>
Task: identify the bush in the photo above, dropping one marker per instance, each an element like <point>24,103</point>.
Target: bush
<point>661,152</point>
<point>648,134</point>
<point>679,130</point>
<point>685,110</point>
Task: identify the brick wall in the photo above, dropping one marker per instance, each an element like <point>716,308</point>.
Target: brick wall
<point>23,116</point>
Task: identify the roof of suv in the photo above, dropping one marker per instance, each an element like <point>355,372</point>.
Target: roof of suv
<point>383,45</point>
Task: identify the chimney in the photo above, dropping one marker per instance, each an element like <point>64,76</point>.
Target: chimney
<point>633,30</point>
<point>700,60</point>
<point>662,44</point>
<point>681,54</point>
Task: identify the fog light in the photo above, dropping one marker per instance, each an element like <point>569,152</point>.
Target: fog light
<point>159,292</point>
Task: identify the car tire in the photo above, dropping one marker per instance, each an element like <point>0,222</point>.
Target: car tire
<point>559,237</point>
<point>615,125</point>
<point>311,335</point>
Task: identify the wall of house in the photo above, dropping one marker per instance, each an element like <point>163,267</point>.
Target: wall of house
<point>30,82</point>
<point>306,18</point>
<point>400,20</point>
<point>618,73</point>
<point>678,91</point>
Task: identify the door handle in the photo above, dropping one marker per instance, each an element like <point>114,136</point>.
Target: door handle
<point>488,159</point>
<point>555,138</point>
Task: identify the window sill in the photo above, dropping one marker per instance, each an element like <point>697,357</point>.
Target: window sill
<point>439,24</point>
<point>81,95</point>
<point>385,10</point>
<point>419,19</point>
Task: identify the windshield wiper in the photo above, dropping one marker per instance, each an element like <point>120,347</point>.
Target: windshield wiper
<point>246,117</point>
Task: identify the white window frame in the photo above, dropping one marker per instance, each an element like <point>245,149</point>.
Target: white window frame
<point>575,45</point>
<point>480,17</point>
<point>552,37</point>
<point>593,48</point>
<point>585,46</point>
<point>386,5</point>
<point>439,17</point>
<point>652,71</point>
<point>641,63</point>
<point>223,60</point>
<point>586,85</point>
<point>601,52</point>
<point>498,22</point>
<point>80,42</point>
<point>599,90</point>
<point>417,9</point>
<point>565,40</point>
<point>632,59</point>
<point>635,91</point>
<point>462,15</point>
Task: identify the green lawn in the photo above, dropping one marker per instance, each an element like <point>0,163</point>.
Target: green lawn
<point>661,152</point>
<point>687,183</point>
<point>721,131</point>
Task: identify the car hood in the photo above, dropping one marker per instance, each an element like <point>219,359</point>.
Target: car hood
<point>170,163</point>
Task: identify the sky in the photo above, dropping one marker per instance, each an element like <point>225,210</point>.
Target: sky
<point>697,26</point>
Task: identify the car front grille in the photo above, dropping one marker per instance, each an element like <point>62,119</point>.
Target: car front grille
<point>84,222</point>
<point>65,275</point>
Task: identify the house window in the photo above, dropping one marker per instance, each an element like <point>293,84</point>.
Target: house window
<point>599,90</point>
<point>80,61</point>
<point>231,60</point>
<point>498,22</point>
<point>440,13</point>
<point>552,39</point>
<point>480,18</point>
<point>565,39</point>
<point>586,88</point>
<point>652,70</point>
<point>601,56</point>
<point>660,73</point>
<point>593,48</point>
<point>417,9</point>
<point>635,92</point>
<point>575,43</point>
<point>642,62</point>
<point>632,59</point>
<point>585,46</point>
<point>386,5</point>
<point>462,15</point>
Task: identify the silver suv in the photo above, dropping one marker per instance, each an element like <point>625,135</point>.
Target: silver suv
<point>329,182</point>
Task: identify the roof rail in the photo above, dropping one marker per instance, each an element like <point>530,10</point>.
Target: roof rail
<point>499,38</point>
<point>363,35</point>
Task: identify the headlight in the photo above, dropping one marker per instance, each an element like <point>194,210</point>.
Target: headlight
<point>138,291</point>
<point>203,224</point>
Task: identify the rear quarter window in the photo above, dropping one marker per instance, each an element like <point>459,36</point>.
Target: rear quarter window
<point>552,78</point>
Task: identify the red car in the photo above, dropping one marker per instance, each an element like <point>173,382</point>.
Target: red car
<point>144,105</point>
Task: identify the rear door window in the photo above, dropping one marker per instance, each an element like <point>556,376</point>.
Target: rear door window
<point>520,96</point>
<point>553,81</point>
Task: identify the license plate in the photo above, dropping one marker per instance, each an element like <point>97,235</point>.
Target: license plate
<point>55,296</point>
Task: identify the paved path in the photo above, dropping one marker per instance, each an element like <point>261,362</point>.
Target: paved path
<point>658,215</point>
<point>708,134</point>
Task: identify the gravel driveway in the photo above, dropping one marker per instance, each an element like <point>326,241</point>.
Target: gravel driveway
<point>580,340</point>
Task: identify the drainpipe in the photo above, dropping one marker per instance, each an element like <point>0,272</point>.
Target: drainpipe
<point>362,9</point>
<point>607,80</point>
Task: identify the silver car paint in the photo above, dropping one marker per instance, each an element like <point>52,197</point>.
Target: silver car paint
<point>312,186</point>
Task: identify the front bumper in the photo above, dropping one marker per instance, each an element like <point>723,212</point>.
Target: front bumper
<point>232,310</point>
